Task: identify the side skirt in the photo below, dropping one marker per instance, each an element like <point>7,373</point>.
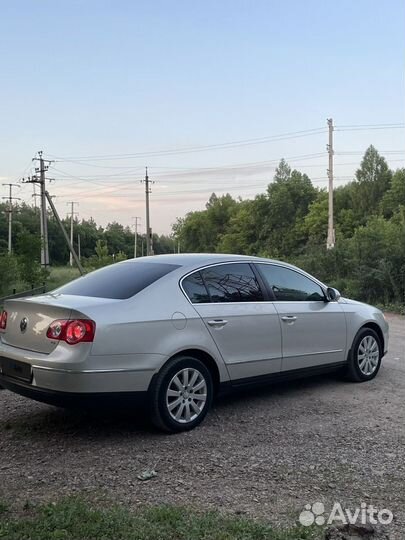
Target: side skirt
<point>273,378</point>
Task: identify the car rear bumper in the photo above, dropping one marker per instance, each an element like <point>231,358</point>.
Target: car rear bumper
<point>74,399</point>
<point>74,371</point>
<point>79,381</point>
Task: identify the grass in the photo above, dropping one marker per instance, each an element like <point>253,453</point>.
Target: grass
<point>75,518</point>
<point>3,507</point>
<point>59,275</point>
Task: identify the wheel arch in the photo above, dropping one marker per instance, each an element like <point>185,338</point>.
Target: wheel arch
<point>374,326</point>
<point>206,359</point>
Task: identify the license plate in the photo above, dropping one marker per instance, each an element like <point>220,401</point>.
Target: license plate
<point>16,369</point>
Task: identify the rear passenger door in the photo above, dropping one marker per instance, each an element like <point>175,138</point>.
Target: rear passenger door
<point>245,327</point>
<point>313,329</point>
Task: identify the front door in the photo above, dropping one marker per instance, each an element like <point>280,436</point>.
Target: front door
<point>245,328</point>
<point>313,329</point>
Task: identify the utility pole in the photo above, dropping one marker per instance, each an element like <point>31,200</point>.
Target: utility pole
<point>35,195</point>
<point>78,246</point>
<point>330,243</point>
<point>65,234</point>
<point>45,248</point>
<point>10,199</point>
<point>149,246</point>
<point>136,233</point>
<point>35,179</point>
<point>72,214</point>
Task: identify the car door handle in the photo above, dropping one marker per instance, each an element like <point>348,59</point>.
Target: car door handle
<point>218,323</point>
<point>289,318</point>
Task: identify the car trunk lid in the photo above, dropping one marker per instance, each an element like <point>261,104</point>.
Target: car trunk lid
<point>40,312</point>
<point>28,322</point>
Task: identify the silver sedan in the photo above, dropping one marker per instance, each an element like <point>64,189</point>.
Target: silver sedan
<point>175,330</point>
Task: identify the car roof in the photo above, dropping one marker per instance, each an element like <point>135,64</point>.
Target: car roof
<point>197,259</point>
<point>194,261</point>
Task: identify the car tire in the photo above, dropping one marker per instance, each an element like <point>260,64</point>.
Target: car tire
<point>364,357</point>
<point>181,394</point>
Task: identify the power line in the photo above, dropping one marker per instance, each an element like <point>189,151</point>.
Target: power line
<point>230,144</point>
<point>361,127</point>
<point>170,151</point>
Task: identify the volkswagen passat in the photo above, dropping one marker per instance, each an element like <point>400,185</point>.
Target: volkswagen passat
<point>177,329</point>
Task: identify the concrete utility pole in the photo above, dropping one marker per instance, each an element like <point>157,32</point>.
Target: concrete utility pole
<point>65,234</point>
<point>78,246</point>
<point>10,199</point>
<point>136,233</point>
<point>35,179</point>
<point>330,243</point>
<point>45,247</point>
<point>149,246</point>
<point>35,195</point>
<point>72,214</point>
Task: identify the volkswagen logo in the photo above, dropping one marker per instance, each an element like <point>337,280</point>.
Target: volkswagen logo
<point>23,324</point>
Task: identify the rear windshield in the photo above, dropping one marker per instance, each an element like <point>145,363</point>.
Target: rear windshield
<point>117,281</point>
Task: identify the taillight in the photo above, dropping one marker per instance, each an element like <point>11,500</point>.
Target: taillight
<point>72,331</point>
<point>3,321</point>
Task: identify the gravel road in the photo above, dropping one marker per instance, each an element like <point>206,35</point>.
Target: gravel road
<point>265,453</point>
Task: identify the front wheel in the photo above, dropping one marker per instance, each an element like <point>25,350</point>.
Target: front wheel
<point>365,356</point>
<point>181,395</point>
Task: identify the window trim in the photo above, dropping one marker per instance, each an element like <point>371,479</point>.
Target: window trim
<point>297,271</point>
<point>199,271</point>
<point>262,284</point>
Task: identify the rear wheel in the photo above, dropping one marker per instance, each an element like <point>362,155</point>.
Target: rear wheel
<point>365,356</point>
<point>181,395</point>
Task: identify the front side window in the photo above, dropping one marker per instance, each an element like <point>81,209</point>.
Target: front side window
<point>289,285</point>
<point>117,281</point>
<point>195,289</point>
<point>232,283</point>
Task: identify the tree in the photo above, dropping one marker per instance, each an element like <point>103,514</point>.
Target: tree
<point>201,231</point>
<point>394,198</point>
<point>373,180</point>
<point>289,197</point>
<point>29,268</point>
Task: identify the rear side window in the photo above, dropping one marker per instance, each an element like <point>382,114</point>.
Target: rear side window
<point>117,281</point>
<point>232,283</point>
<point>288,285</point>
<point>195,289</point>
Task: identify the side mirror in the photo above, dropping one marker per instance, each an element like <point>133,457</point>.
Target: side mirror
<point>332,294</point>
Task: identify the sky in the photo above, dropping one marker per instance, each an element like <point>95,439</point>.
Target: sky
<point>199,92</point>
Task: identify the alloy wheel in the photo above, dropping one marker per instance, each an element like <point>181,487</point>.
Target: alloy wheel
<point>368,355</point>
<point>186,395</point>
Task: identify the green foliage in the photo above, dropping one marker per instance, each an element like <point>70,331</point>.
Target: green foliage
<point>290,221</point>
<point>119,239</point>
<point>394,198</point>
<point>58,276</point>
<point>201,231</point>
<point>29,268</point>
<point>75,518</point>
<point>8,273</point>
<point>373,180</point>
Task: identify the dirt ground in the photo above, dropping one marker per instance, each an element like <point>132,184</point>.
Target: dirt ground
<point>266,453</point>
